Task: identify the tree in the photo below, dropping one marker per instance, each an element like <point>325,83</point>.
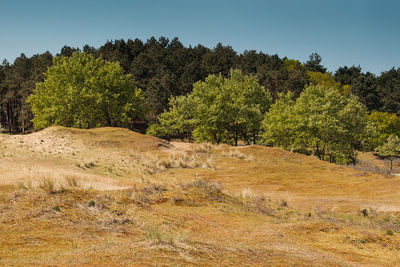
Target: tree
<point>229,108</point>
<point>178,121</point>
<point>17,81</point>
<point>365,87</point>
<point>321,121</point>
<point>346,75</point>
<point>314,63</point>
<point>220,60</point>
<point>388,87</point>
<point>82,91</point>
<point>328,123</point>
<point>381,125</point>
<point>390,149</point>
<point>278,125</point>
<point>327,80</point>
<point>219,110</point>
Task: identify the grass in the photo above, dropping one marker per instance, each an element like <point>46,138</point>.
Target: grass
<point>177,160</point>
<point>178,204</point>
<point>47,185</point>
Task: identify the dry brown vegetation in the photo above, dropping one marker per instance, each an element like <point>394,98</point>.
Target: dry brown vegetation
<point>110,196</point>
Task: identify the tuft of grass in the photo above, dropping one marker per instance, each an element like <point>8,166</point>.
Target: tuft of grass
<point>256,203</point>
<point>203,184</point>
<point>202,148</point>
<point>153,234</point>
<point>148,195</point>
<point>56,208</point>
<point>47,185</point>
<point>178,160</point>
<point>233,153</point>
<point>161,234</point>
<point>72,181</point>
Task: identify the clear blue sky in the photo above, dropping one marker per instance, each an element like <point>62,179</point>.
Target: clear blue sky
<point>343,32</point>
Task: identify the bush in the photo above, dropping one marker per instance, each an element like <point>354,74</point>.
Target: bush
<point>157,130</point>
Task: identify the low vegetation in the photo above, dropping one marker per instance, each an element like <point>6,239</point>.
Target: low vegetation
<point>254,206</point>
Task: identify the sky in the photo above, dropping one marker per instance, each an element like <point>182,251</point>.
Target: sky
<point>343,32</point>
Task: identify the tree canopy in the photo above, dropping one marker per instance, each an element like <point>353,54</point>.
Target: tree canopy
<point>380,126</point>
<point>84,92</point>
<point>390,149</point>
<point>219,110</point>
<point>322,121</point>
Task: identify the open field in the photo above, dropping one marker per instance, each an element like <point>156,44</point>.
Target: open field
<point>110,196</point>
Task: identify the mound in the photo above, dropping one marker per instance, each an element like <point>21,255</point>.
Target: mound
<point>108,137</point>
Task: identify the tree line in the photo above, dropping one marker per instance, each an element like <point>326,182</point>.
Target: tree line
<point>164,68</point>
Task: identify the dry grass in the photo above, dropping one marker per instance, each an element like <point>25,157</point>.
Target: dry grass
<point>369,162</point>
<point>113,197</point>
<point>202,148</point>
<point>234,153</point>
<point>152,163</point>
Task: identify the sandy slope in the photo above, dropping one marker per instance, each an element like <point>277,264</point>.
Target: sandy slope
<point>109,196</point>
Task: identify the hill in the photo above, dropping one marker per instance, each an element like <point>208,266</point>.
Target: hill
<point>111,196</point>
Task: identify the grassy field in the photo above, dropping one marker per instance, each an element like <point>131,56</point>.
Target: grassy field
<point>110,196</point>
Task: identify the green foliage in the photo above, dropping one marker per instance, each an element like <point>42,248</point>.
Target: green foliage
<point>381,125</point>
<point>158,131</point>
<point>219,110</point>
<point>278,125</point>
<point>365,88</point>
<point>165,68</point>
<point>388,88</point>
<point>292,64</point>
<point>321,120</point>
<point>229,109</point>
<point>85,92</point>
<point>314,63</point>
<point>178,121</point>
<point>16,84</point>
<point>329,123</point>
<point>327,80</point>
<point>390,149</point>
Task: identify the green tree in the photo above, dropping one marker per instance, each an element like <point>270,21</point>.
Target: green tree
<point>328,123</point>
<point>390,149</point>
<point>229,109</point>
<point>278,125</point>
<point>388,87</point>
<point>219,110</point>
<point>85,92</point>
<point>314,63</point>
<point>381,125</point>
<point>321,121</point>
<point>327,80</point>
<point>365,87</point>
<point>178,120</point>
<point>346,75</point>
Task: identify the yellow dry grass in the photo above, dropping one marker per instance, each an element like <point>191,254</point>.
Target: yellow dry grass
<point>110,196</point>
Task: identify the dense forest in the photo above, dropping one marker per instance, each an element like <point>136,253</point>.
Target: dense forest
<point>163,68</point>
